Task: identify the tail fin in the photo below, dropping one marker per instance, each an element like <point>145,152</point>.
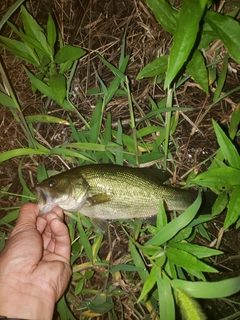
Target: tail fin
<point>208,199</point>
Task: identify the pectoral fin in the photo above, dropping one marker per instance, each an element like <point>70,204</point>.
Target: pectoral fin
<point>98,199</point>
<point>100,224</point>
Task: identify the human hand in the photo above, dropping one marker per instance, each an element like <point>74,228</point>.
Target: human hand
<point>34,265</point>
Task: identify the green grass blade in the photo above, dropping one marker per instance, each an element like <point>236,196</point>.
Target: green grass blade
<point>148,284</point>
<point>45,119</point>
<point>6,100</point>
<point>221,81</point>
<point>209,290</point>
<point>166,299</point>
<point>8,14</point>
<point>119,149</point>
<point>20,152</point>
<point>186,260</point>
<point>173,227</point>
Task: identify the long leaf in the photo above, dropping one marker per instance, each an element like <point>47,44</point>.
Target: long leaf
<point>209,290</point>
<point>185,36</point>
<point>172,228</point>
<point>166,300</point>
<point>219,178</point>
<point>197,69</point>
<point>164,14</point>
<point>228,30</point>
<point>233,213</point>
<point>19,152</point>
<point>186,260</point>
<point>229,151</point>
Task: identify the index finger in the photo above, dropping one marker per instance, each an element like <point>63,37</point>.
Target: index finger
<point>27,217</point>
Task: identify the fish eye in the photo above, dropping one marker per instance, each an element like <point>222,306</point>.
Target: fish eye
<point>52,183</point>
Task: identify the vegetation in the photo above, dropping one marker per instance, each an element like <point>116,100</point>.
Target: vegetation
<point>164,268</point>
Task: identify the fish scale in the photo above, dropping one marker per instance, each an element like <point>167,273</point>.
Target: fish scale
<point>112,192</point>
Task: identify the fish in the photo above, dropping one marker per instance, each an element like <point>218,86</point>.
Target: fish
<point>112,192</point>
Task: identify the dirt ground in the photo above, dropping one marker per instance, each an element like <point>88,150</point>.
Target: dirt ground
<point>98,27</point>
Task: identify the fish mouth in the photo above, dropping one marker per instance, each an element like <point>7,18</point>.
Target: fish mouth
<point>45,202</point>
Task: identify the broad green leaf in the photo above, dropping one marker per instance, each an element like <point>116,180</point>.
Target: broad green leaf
<point>197,69</point>
<point>228,30</point>
<point>164,14</point>
<point>209,290</point>
<point>154,68</point>
<point>229,151</point>
<point>101,304</point>
<point>7,101</point>
<point>173,227</point>
<point>220,203</point>
<point>233,213</point>
<point>165,297</point>
<point>219,178</point>
<point>31,27</point>
<point>185,36</point>
<point>207,36</point>
<point>181,235</point>
<point>28,40</point>
<point>189,307</point>
<point>186,260</point>
<point>51,33</point>
<point>19,152</point>
<point>46,90</point>
<point>198,251</point>
<point>58,85</point>
<point>43,40</point>
<point>18,49</point>
<point>69,53</point>
<point>65,66</point>
<point>41,86</point>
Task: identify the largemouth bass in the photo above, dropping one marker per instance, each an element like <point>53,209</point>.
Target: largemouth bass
<point>111,192</point>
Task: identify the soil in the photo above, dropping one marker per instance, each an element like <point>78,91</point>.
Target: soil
<point>98,26</point>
